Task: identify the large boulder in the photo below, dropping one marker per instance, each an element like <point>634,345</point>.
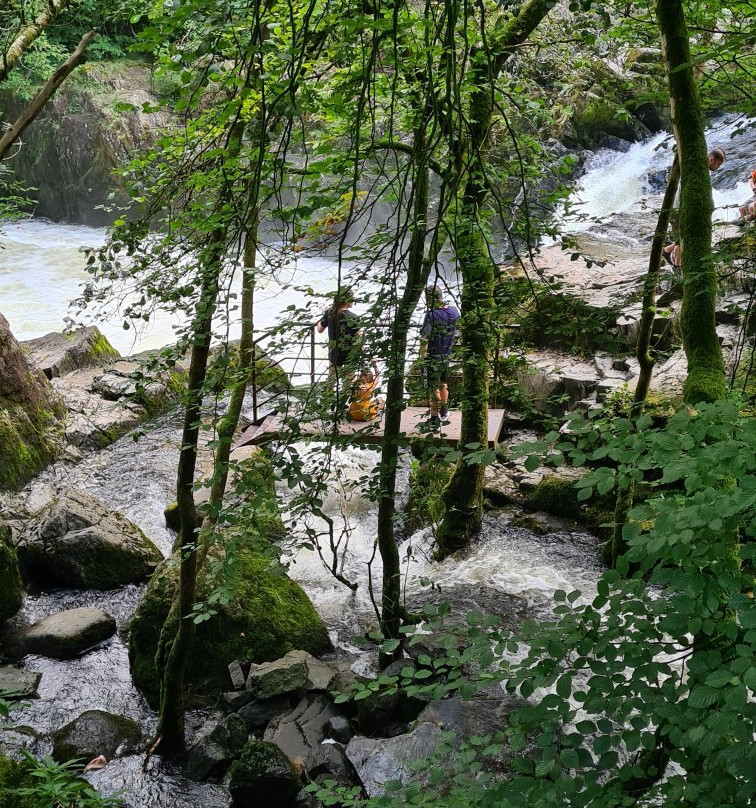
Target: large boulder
<point>93,733</point>
<point>76,541</point>
<point>57,354</point>
<point>17,683</point>
<point>11,589</point>
<point>215,747</point>
<point>262,775</point>
<point>31,415</point>
<point>62,636</point>
<point>267,616</point>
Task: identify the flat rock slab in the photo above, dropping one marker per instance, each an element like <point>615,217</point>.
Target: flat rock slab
<point>16,683</point>
<point>62,636</point>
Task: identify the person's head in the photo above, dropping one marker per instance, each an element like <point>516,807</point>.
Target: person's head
<point>434,298</point>
<point>717,158</point>
<point>367,377</point>
<point>343,298</point>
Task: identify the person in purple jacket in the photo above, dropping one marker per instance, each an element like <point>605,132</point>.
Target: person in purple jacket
<point>437,340</point>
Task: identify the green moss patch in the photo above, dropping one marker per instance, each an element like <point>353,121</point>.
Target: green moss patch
<point>13,776</point>
<point>11,588</point>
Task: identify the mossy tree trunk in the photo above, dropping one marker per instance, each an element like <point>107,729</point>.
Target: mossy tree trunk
<point>463,497</point>
<point>706,376</point>
<point>643,348</point>
<point>171,721</point>
<point>417,274</point>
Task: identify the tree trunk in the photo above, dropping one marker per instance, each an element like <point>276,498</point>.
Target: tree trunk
<point>171,737</point>
<point>706,376</point>
<point>624,500</point>
<point>463,497</point>
<point>417,275</point>
<point>28,35</point>
<point>49,88</point>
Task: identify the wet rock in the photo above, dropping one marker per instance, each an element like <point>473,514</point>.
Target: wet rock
<point>216,746</point>
<point>551,376</point>
<point>11,588</point>
<point>258,713</point>
<point>57,354</point>
<point>76,541</point>
<point>302,735</point>
<point>234,700</point>
<point>297,670</point>
<point>62,636</point>
<point>262,775</point>
<point>389,714</point>
<point>663,334</point>
<point>31,415</point>
<point>340,729</point>
<point>479,716</point>
<point>16,683</point>
<point>94,733</point>
<point>378,760</point>
<point>615,143</point>
<point>498,485</point>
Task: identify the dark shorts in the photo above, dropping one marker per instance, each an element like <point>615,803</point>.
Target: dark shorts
<point>435,371</point>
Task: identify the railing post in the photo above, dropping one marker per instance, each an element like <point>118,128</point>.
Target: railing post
<point>312,355</point>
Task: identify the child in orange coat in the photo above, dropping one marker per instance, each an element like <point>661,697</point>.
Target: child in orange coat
<point>362,406</point>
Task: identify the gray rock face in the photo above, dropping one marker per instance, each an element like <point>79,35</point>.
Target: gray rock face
<point>77,542</point>
<point>11,589</point>
<point>484,716</point>
<point>302,735</point>
<point>94,733</point>
<point>298,670</point>
<point>263,777</point>
<point>259,712</point>
<point>378,760</point>
<point>18,684</point>
<point>57,354</point>
<point>63,635</point>
<point>216,746</point>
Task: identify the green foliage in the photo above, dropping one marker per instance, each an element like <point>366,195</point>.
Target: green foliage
<point>57,784</point>
<point>646,671</point>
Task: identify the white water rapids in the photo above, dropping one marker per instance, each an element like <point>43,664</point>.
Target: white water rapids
<point>40,271</point>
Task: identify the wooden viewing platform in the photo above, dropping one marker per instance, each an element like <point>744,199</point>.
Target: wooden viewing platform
<point>414,425</point>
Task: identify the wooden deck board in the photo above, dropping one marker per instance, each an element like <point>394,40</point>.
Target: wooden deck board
<point>371,432</point>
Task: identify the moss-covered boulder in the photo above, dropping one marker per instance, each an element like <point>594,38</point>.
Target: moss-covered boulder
<point>77,541</point>
<point>93,733</point>
<point>31,414</point>
<point>268,616</point>
<point>13,776</point>
<point>11,589</point>
<point>263,775</point>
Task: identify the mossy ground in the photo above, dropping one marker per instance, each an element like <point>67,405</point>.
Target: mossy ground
<point>26,446</point>
<point>14,775</point>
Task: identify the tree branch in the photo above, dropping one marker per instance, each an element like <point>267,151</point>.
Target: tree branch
<point>27,35</point>
<point>43,96</point>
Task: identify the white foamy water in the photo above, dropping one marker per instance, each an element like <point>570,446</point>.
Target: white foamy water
<point>626,182</point>
<point>42,269</point>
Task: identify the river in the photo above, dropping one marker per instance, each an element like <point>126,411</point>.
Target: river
<point>40,270</point>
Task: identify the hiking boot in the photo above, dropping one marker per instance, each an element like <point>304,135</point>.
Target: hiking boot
<point>434,422</point>
<point>444,411</point>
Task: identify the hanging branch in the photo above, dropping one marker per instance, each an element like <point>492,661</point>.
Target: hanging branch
<point>29,34</point>
<point>49,88</point>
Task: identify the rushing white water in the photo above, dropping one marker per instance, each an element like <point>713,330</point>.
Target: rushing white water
<point>616,182</point>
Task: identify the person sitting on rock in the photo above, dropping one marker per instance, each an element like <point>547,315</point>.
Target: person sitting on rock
<point>362,406</point>
<point>748,209</point>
